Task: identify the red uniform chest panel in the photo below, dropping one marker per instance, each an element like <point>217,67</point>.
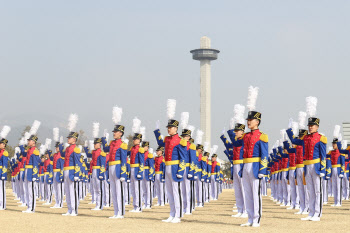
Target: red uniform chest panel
<point>284,163</point>
<point>310,141</point>
<point>158,162</point>
<point>334,157</point>
<point>299,155</point>
<point>292,160</point>
<point>1,152</point>
<point>170,143</point>
<point>41,169</point>
<point>107,158</point>
<point>46,164</point>
<point>55,158</point>
<point>29,153</point>
<point>250,139</point>
<point>146,155</point>
<point>236,152</point>
<point>213,165</point>
<point>276,166</point>
<point>95,154</point>
<point>69,151</point>
<point>113,147</point>
<point>272,168</point>
<point>346,166</point>
<point>200,157</point>
<point>133,152</point>
<point>280,165</point>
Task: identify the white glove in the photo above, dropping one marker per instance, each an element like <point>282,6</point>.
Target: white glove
<point>76,178</point>
<point>138,176</point>
<point>178,176</point>
<point>157,124</point>
<point>189,176</point>
<point>321,175</point>
<point>3,177</point>
<point>261,176</point>
<point>223,131</point>
<point>341,176</point>
<point>128,181</point>
<point>163,180</point>
<point>327,177</point>
<point>33,179</point>
<point>122,179</point>
<point>290,123</point>
<point>61,180</point>
<point>195,177</point>
<point>202,180</point>
<point>108,180</point>
<point>100,177</point>
<point>217,178</point>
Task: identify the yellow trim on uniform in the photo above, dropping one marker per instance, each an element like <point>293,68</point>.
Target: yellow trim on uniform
<point>159,172</point>
<point>337,165</point>
<point>146,167</point>
<point>285,169</point>
<point>188,164</point>
<point>96,167</point>
<point>264,137</point>
<point>183,142</point>
<point>56,170</point>
<point>51,162</point>
<point>300,165</point>
<point>323,139</point>
<point>292,168</point>
<point>167,163</point>
<point>29,166</point>
<point>21,169</point>
<point>193,147</point>
<point>68,168</point>
<point>135,165</point>
<point>77,150</point>
<point>251,160</point>
<point>240,161</point>
<point>46,173</point>
<point>114,162</point>
<point>309,162</point>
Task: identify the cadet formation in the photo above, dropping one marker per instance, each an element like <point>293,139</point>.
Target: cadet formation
<point>183,172</point>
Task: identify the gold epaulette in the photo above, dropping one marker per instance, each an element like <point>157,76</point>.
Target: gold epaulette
<point>77,150</point>
<point>264,137</point>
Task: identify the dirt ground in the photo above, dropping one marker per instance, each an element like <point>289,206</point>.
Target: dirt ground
<point>214,217</point>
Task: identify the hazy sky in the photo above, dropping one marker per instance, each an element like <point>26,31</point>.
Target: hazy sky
<point>59,57</point>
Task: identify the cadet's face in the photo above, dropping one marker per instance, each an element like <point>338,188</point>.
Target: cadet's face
<point>146,148</point>
<point>46,156</point>
<point>2,146</point>
<point>335,147</point>
<point>187,138</point>
<point>31,143</point>
<point>57,149</point>
<point>136,142</point>
<point>199,151</point>
<point>213,159</point>
<point>159,153</point>
<point>117,135</point>
<point>253,124</point>
<point>97,146</point>
<point>172,131</point>
<point>313,128</point>
<point>71,141</point>
<point>42,160</point>
<point>239,133</point>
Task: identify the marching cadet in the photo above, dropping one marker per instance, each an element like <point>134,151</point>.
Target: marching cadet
<point>117,169</point>
<point>71,172</point>
<point>148,176</point>
<point>48,177</point>
<point>237,162</point>
<point>255,153</point>
<point>58,177</point>
<point>191,174</point>
<point>3,171</point>
<point>160,176</point>
<point>31,172</point>
<point>338,166</point>
<point>215,177</point>
<point>42,178</point>
<point>145,146</point>
<point>20,177</point>
<point>299,150</point>
<point>346,179</point>
<point>126,185</point>
<point>294,198</point>
<point>205,178</point>
<point>315,166</point>
<point>98,172</point>
<point>107,202</point>
<point>198,175</point>
<point>285,173</point>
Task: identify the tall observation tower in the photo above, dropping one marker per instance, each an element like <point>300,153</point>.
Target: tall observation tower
<point>205,54</point>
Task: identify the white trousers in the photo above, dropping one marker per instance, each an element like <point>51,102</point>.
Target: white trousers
<point>325,189</point>
<point>286,189</point>
<point>186,193</point>
<point>199,192</point>
<point>294,197</point>
<point>117,192</point>
<point>301,188</point>
<point>314,187</point>
<point>263,187</point>
<point>97,189</point>
<point>107,197</point>
<point>238,187</point>
<point>2,194</point>
<point>136,190</point>
<point>126,189</point>
<point>336,186</point>
<point>42,189</point>
<point>71,193</point>
<point>252,194</point>
<point>214,188</point>
<point>159,189</point>
<point>345,187</point>
<point>148,193</point>
<point>174,194</point>
<point>48,190</point>
<point>58,190</point>
<point>21,189</point>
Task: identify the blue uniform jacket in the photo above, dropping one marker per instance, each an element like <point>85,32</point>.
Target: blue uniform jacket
<point>33,164</point>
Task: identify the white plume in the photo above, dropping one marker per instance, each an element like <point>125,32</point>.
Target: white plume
<point>80,147</point>
<point>171,107</point>
<point>336,131</point>
<point>26,136</point>
<point>344,144</point>
<point>86,143</point>
<point>191,127</point>
<point>95,129</point>
<point>5,131</point>
<point>107,136</point>
<point>72,122</point>
<point>91,145</point>
<point>61,139</point>
<point>56,134</point>
<point>42,149</point>
<point>340,138</point>
<point>150,150</point>
<point>311,106</point>
<point>282,132</point>
<point>238,113</point>
<point>126,141</point>
<point>199,136</point>
<point>232,123</point>
<point>136,123</point>
<point>252,97</point>
<point>34,128</point>
<point>143,132</point>
<point>302,120</point>
<point>206,146</point>
<point>295,128</point>
<point>214,149</point>
<point>22,141</point>
<point>17,150</point>
<point>330,148</point>
<point>117,114</point>
<point>48,142</point>
<point>185,116</point>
